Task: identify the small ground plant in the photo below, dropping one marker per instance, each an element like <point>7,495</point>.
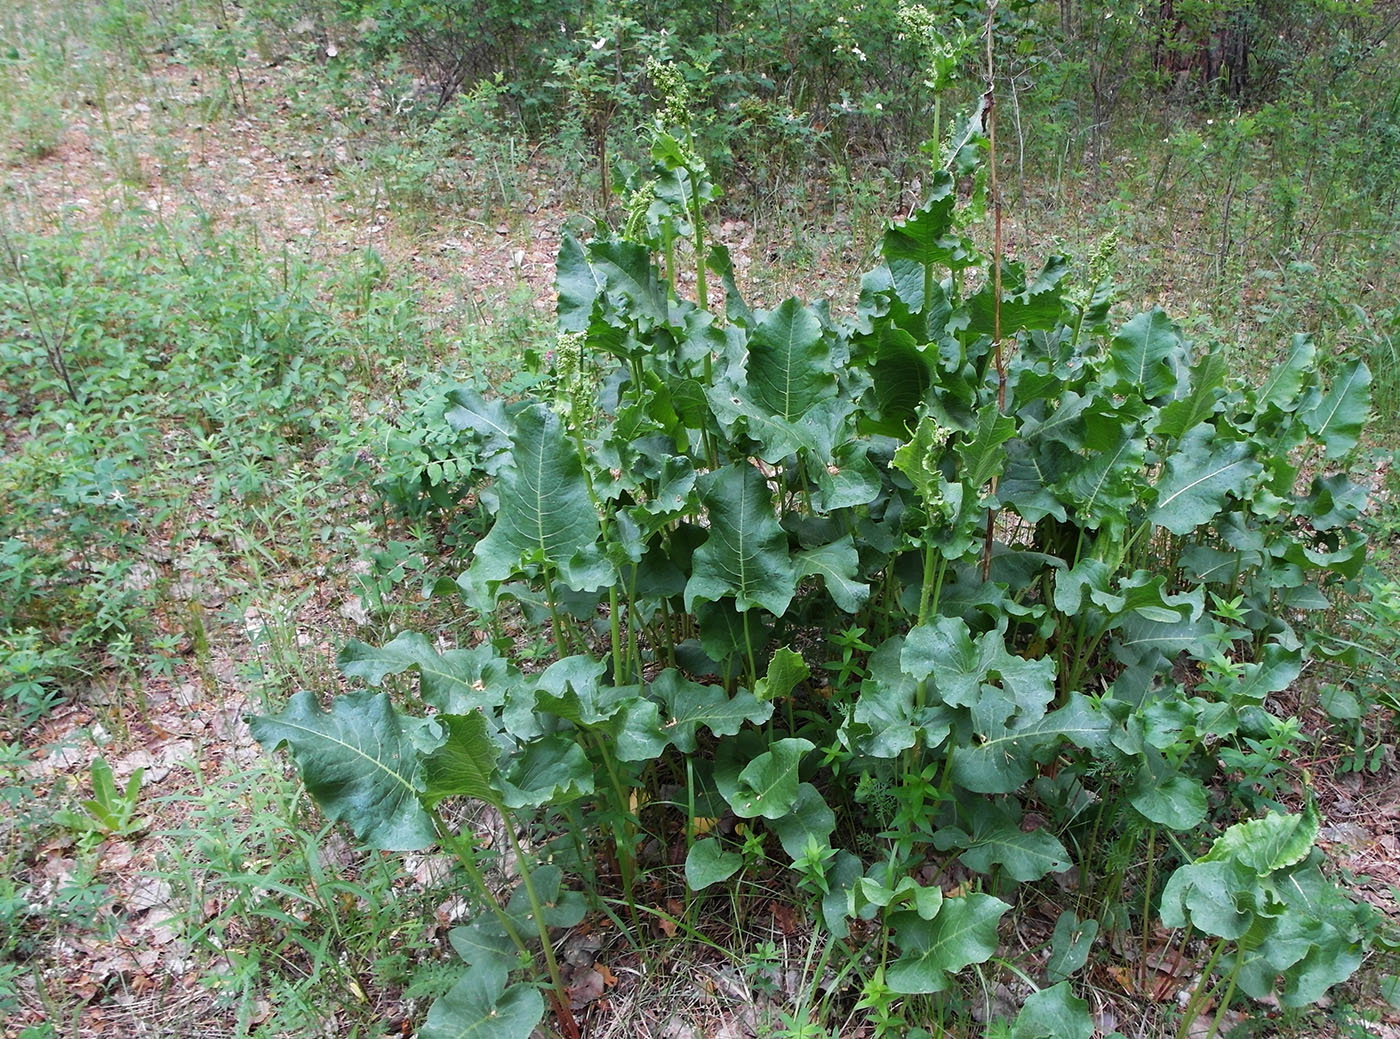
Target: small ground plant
<point>971,589</point>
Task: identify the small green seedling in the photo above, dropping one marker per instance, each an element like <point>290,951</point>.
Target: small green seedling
<point>111,812</point>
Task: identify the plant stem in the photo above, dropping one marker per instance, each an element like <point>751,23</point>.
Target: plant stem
<point>465,851</point>
<point>560,994</point>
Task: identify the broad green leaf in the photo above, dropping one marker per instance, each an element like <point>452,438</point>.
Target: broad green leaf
<point>1264,845</point>
<point>465,764</point>
<point>1145,594</point>
<point>1035,305</point>
<point>1053,1013</point>
<point>1199,476</point>
<point>1089,575</point>
<point>1108,483</point>
<point>849,480</point>
<point>457,681</point>
<point>708,863</point>
<point>964,932</point>
<point>983,455</point>
<point>1284,383</point>
<point>1138,637</point>
<point>838,565</point>
<point>735,309</point>
<point>545,512</point>
<point>789,364</point>
<point>1008,737</point>
<point>551,770</point>
<point>1207,378</point>
<point>911,247</point>
<point>628,277</point>
<point>690,705</point>
<point>569,689</point>
<point>943,650</point>
<point>881,725</point>
<point>810,817</point>
<point>487,418</point>
<point>1333,501</point>
<point>726,635</point>
<point>786,671</point>
<point>1214,897</point>
<point>767,785</point>
<point>841,874</point>
<point>360,761</point>
<point>484,945</point>
<point>576,284</point>
<point>1145,353</point>
<point>1070,945</point>
<point>1274,672</point>
<point>746,554</point>
<point>901,375</point>
<point>476,1008</point>
<point>919,459</point>
<point>1336,420</point>
<point>559,907</point>
<point>997,839</point>
<point>1177,802</point>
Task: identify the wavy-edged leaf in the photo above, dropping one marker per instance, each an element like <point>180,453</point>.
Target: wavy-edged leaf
<point>467,409</point>
<point>477,1008</point>
<point>1207,380</point>
<point>1337,419</point>
<point>630,280</point>
<point>982,455</point>
<point>789,364</point>
<point>545,512</point>
<point>997,839</point>
<point>360,762</point>
<point>786,670</point>
<point>465,764</point>
<point>964,932</point>
<point>1276,841</point>
<point>838,565</point>
<point>456,681</point>
<point>576,285</point>
<point>709,863</point>
<point>767,785</point>
<point>1199,476</point>
<point>551,770</point>
<point>1146,352</point>
<point>690,705</point>
<point>746,554</point>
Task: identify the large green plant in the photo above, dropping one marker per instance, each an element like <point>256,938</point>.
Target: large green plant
<point>1082,555</point>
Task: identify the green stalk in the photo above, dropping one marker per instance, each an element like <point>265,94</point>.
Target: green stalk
<point>465,851</point>
<point>560,994</point>
<point>623,830</point>
<point>1225,999</point>
<point>615,633</point>
<point>748,652</point>
<point>1147,895</point>
<point>634,652</point>
<point>555,622</point>
<point>932,587</point>
<point>702,295</point>
<point>1202,991</point>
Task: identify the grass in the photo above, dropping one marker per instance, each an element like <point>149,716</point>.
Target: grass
<point>211,410</point>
